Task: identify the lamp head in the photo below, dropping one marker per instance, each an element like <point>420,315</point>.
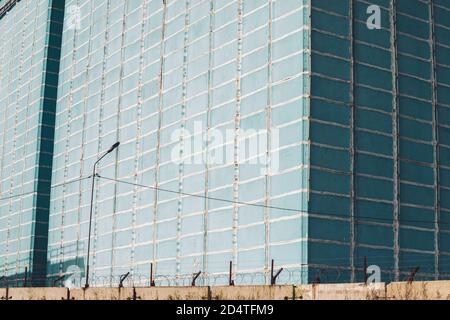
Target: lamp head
<point>113,147</point>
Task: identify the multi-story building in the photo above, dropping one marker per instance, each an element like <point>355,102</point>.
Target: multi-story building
<point>313,133</point>
<point>30,41</point>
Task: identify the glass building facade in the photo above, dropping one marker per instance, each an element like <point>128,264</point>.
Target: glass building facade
<point>380,137</point>
<point>251,131</point>
<point>225,65</point>
<point>30,40</point>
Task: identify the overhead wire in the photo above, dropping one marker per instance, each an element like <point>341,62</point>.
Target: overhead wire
<point>357,217</point>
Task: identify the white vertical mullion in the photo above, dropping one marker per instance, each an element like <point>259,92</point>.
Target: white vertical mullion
<point>435,125</point>
<point>237,123</point>
<point>138,152</point>
<point>395,135</point>
<point>181,141</point>
<point>208,133</point>
<point>268,147</point>
<point>352,143</point>
<point>116,165</point>
<point>158,144</point>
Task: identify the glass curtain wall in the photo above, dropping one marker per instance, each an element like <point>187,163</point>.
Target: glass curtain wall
<point>379,139</point>
<point>30,33</point>
<point>178,82</point>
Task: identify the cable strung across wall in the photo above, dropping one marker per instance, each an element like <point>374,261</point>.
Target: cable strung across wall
<point>52,187</point>
<point>262,205</point>
<point>223,200</point>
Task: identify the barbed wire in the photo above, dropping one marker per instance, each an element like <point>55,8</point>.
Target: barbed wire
<point>334,274</point>
<point>161,280</point>
<point>303,273</point>
<point>286,277</point>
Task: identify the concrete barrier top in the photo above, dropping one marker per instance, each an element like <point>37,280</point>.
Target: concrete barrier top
<point>38,293</point>
<point>420,290</point>
<point>102,294</point>
<point>173,293</point>
<point>281,292</point>
<point>357,291</point>
<point>2,293</point>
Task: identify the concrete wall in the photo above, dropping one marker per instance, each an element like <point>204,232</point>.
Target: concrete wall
<point>37,293</point>
<point>394,291</point>
<point>2,294</point>
<point>253,293</point>
<point>152,293</point>
<point>357,291</point>
<point>426,290</point>
<point>173,293</point>
<point>102,294</point>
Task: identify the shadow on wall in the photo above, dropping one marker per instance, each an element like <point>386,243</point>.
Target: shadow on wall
<point>73,270</point>
<point>50,274</point>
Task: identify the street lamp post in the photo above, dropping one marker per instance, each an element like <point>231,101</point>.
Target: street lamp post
<point>113,147</point>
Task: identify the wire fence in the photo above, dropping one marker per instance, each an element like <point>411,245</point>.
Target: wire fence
<point>181,280</point>
<point>327,270</point>
<point>285,277</point>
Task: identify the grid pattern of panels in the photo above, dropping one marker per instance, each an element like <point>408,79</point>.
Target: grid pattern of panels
<point>374,126</point>
<point>141,71</point>
<point>329,209</point>
<point>441,98</point>
<point>23,34</point>
<point>383,184</point>
<point>417,137</point>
